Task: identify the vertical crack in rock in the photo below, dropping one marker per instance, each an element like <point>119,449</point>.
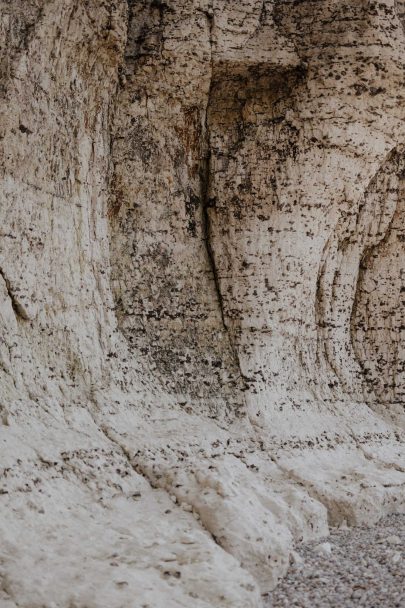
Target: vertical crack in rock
<point>207,204</point>
<point>164,277</point>
<point>205,176</point>
<point>18,309</point>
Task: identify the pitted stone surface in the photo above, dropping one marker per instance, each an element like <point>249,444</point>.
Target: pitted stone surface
<point>201,283</point>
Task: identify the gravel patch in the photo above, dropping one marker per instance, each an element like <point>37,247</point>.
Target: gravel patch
<point>352,567</point>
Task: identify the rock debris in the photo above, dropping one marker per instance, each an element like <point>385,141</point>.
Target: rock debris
<point>364,567</point>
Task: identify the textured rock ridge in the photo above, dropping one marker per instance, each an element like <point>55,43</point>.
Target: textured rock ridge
<point>202,285</point>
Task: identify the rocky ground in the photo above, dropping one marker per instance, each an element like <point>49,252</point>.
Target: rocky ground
<point>353,567</point>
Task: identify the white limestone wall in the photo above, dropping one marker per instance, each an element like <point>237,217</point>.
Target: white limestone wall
<point>201,262</point>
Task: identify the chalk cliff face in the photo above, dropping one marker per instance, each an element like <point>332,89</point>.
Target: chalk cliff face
<point>202,292</point>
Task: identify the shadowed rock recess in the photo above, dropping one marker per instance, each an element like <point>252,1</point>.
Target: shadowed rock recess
<point>202,292</point>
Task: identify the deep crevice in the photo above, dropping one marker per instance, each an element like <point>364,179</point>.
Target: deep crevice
<point>209,203</point>
<point>205,181</point>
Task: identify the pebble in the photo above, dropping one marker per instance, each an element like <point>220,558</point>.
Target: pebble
<point>394,540</point>
<point>364,567</point>
<point>325,548</point>
<point>295,558</point>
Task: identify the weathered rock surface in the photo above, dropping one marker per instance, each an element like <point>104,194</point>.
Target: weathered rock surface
<point>202,292</point>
